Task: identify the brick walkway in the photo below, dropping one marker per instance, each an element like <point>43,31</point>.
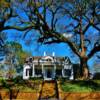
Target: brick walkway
<point>49,91</point>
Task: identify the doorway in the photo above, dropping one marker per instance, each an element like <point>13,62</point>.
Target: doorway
<point>49,73</point>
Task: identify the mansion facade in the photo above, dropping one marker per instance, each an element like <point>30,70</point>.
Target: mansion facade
<point>48,67</point>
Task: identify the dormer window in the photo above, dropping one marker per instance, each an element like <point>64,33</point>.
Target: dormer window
<point>67,60</point>
<point>49,60</point>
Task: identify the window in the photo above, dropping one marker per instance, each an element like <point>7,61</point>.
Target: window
<point>67,72</point>
<point>27,72</point>
<point>58,72</point>
<point>49,60</point>
<point>38,70</point>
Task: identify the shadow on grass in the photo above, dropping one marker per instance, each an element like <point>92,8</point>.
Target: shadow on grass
<point>93,85</point>
<point>1,97</point>
<point>12,92</point>
<point>14,86</point>
<point>86,85</point>
<point>81,96</point>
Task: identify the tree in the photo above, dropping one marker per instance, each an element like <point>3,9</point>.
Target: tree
<point>84,16</point>
<point>15,58</point>
<point>8,20</point>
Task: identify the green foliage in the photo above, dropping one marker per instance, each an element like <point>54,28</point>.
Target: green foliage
<point>4,4</point>
<point>15,58</point>
<point>18,52</point>
<point>81,86</point>
<point>22,85</point>
<point>16,46</point>
<point>18,80</point>
<point>4,84</point>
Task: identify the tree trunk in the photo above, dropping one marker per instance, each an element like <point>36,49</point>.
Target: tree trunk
<point>84,71</point>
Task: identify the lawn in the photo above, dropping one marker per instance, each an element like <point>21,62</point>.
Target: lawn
<point>33,85</point>
<point>21,85</point>
<point>80,86</point>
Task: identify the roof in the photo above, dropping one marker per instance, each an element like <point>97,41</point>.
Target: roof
<point>47,60</point>
<point>42,57</point>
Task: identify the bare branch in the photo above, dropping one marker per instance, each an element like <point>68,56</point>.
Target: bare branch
<point>53,17</point>
<point>71,15</point>
<point>18,28</point>
<point>93,51</point>
<point>96,27</point>
<point>86,28</point>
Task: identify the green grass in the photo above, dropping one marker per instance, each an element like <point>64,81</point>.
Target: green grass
<point>21,85</point>
<point>81,86</point>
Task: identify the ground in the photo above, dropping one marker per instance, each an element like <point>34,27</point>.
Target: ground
<point>57,89</point>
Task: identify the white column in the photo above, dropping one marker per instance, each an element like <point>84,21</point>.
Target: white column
<point>33,71</point>
<point>72,75</point>
<point>24,71</point>
<point>54,70</point>
<point>62,72</point>
<point>42,70</point>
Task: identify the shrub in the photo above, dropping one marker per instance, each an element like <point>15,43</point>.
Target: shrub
<point>96,76</point>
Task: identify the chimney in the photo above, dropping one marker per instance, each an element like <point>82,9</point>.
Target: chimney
<point>44,53</point>
<point>53,54</point>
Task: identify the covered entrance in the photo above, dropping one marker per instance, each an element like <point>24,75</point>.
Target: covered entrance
<point>49,72</point>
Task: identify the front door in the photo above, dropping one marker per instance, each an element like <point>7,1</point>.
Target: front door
<point>49,73</point>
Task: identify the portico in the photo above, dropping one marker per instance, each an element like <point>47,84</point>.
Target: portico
<point>49,73</point>
<point>48,68</point>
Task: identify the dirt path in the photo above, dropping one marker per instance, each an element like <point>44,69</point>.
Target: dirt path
<point>49,91</point>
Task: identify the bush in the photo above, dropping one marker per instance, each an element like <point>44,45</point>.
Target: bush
<point>18,79</point>
<point>36,78</point>
<point>96,76</point>
<point>4,84</point>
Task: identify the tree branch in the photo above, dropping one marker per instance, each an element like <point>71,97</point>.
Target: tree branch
<point>53,17</point>
<point>96,27</point>
<point>93,51</point>
<point>71,15</point>
<point>18,28</point>
<point>60,38</point>
<point>53,41</point>
<point>86,28</point>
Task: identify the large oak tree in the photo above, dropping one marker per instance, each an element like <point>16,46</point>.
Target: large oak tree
<point>46,17</point>
<point>84,15</point>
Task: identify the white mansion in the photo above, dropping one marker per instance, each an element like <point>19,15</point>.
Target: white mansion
<point>48,67</point>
